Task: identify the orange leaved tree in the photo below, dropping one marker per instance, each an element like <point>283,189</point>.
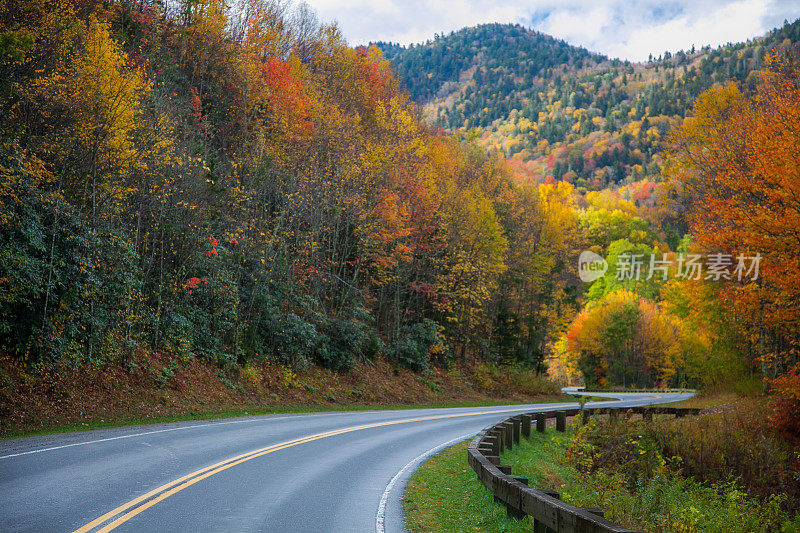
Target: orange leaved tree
<point>736,167</point>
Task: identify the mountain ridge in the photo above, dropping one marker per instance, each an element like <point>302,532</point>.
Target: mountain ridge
<point>560,111</point>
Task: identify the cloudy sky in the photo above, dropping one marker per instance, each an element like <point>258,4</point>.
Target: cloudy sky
<point>629,29</point>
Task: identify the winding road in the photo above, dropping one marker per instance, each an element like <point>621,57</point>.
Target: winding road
<point>320,472</point>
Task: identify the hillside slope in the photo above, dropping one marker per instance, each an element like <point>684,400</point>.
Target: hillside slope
<point>558,110</point>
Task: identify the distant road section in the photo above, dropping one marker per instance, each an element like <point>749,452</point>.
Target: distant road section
<point>343,471</point>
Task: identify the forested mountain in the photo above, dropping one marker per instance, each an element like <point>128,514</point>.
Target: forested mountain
<point>557,110</point>
<point>501,57</point>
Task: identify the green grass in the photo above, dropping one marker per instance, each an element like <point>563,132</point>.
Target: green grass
<point>445,495</point>
<point>254,411</point>
<point>596,398</point>
<point>666,502</point>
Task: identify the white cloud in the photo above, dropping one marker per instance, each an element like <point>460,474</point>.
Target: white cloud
<point>630,29</point>
<point>655,27</point>
<point>578,26</point>
<point>736,22</point>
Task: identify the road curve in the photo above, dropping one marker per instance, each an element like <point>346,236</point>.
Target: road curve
<point>321,472</point>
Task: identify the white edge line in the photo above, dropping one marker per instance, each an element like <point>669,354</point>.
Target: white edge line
<point>380,518</point>
<point>134,435</point>
<point>260,418</point>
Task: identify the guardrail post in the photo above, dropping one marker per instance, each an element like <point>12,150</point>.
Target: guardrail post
<point>491,441</point>
<point>498,434</point>
<point>526,426</point>
<point>561,421</point>
<point>517,429</point>
<point>541,422</point>
<point>509,434</point>
<point>513,511</point>
<point>539,527</point>
<point>585,416</point>
<point>486,449</point>
<point>594,511</point>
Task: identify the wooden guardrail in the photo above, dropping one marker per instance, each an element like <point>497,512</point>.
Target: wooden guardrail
<point>549,513</point>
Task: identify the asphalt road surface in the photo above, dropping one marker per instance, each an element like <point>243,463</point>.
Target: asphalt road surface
<point>320,472</point>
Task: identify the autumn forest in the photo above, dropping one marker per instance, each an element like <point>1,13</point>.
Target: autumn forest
<point>235,185</point>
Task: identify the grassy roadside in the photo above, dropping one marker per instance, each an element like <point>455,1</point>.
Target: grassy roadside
<point>614,469</point>
<point>155,389</point>
<point>707,401</point>
<point>444,495</point>
<point>596,399</point>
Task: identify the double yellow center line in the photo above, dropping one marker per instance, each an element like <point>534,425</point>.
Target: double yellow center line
<point>149,499</point>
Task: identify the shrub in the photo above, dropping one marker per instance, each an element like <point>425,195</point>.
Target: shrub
<point>281,335</point>
<point>785,405</point>
<point>66,288</point>
<point>212,306</point>
<point>294,339</point>
<point>412,350</point>
<point>250,374</point>
<point>338,344</point>
<point>614,446</point>
<point>176,333</point>
<point>527,380</point>
<point>482,377</point>
<point>735,444</point>
<point>373,346</point>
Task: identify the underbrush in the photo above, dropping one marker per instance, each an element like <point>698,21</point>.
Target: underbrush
<point>156,387</point>
<point>733,444</point>
<point>721,472</point>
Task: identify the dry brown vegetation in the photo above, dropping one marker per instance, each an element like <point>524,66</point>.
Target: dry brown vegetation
<point>159,387</point>
<point>731,444</point>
